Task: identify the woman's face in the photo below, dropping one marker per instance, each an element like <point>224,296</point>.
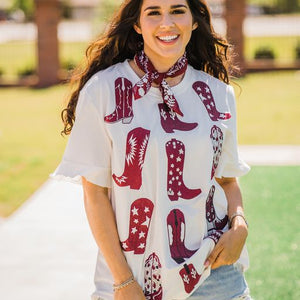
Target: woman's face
<point>166,27</point>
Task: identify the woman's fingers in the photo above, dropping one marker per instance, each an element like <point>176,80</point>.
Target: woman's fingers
<point>213,255</point>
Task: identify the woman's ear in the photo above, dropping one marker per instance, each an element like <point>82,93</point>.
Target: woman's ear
<point>195,26</point>
<point>137,28</point>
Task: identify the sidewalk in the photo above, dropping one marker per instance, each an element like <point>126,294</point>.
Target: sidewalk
<point>46,249</point>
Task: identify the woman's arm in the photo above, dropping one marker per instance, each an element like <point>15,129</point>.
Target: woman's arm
<point>103,225</point>
<point>229,248</point>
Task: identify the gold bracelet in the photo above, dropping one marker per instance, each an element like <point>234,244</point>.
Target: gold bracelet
<point>238,214</point>
<point>127,282</point>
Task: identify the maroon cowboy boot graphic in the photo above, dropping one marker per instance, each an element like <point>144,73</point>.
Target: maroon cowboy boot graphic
<point>136,146</point>
<point>190,277</point>
<point>205,95</point>
<point>153,289</point>
<point>140,217</point>
<point>215,225</point>
<point>169,120</point>
<point>123,97</point>
<point>216,136</point>
<point>176,188</point>
<point>176,234</point>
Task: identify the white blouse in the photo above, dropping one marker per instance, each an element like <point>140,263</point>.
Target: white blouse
<point>160,169</point>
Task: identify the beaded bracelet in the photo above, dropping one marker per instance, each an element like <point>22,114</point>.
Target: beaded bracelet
<point>238,214</point>
<point>127,282</point>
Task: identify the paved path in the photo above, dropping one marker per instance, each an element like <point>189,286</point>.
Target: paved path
<point>271,155</point>
<point>46,249</point>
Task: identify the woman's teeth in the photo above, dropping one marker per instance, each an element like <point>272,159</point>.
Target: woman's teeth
<point>168,38</point>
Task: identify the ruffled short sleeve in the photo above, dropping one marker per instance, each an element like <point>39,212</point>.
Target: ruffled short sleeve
<point>231,164</point>
<point>88,151</point>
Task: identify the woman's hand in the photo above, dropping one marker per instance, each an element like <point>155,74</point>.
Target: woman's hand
<point>229,248</point>
<point>133,292</point>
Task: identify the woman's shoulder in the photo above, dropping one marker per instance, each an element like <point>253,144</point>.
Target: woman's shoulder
<point>102,80</point>
<point>210,80</point>
<point>221,92</point>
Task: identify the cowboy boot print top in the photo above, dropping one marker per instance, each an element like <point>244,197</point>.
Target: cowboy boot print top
<point>136,147</point>
<point>153,288</point>
<point>205,95</point>
<point>170,122</point>
<point>215,225</point>
<point>140,217</point>
<point>176,188</point>
<point>159,168</point>
<point>176,233</point>
<point>123,97</point>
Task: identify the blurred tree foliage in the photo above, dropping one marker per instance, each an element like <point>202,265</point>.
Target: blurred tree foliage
<point>27,6</point>
<point>106,9</point>
<point>289,5</point>
<point>277,6</point>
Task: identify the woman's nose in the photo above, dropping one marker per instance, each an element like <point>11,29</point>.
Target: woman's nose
<point>166,21</point>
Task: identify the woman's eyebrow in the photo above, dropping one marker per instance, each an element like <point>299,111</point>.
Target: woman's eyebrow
<point>178,6</point>
<point>173,7</point>
<point>152,7</point>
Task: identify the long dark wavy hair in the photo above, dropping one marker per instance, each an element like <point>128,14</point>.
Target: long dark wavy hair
<point>206,50</point>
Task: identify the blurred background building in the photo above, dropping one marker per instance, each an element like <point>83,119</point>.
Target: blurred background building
<point>264,33</point>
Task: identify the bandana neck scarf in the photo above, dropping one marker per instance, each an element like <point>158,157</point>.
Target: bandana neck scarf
<point>142,87</point>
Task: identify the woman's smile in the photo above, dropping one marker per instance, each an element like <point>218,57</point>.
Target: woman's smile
<point>168,38</point>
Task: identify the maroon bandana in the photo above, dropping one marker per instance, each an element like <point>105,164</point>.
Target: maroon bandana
<point>142,87</point>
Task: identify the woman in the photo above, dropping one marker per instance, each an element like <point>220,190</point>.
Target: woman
<point>154,143</point>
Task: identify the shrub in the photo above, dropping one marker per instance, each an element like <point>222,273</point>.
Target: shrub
<point>68,65</point>
<point>297,51</point>
<point>27,71</point>
<point>264,53</point>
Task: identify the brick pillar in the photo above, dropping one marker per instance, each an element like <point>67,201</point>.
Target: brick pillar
<point>235,13</point>
<point>47,16</point>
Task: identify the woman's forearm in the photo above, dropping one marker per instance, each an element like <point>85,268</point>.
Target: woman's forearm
<point>229,248</point>
<point>234,198</point>
<point>103,226</point>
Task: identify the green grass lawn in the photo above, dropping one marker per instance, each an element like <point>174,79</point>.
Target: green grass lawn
<point>269,108</point>
<point>271,198</point>
<point>30,142</point>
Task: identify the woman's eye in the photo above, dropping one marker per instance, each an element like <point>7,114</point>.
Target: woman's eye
<point>178,11</point>
<point>153,13</point>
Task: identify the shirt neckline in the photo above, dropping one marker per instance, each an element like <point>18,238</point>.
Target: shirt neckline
<point>154,91</point>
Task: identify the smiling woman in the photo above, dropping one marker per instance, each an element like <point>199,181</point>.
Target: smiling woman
<point>153,142</point>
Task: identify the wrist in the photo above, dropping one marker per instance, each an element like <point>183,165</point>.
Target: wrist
<point>122,277</point>
<point>239,225</point>
<point>238,220</point>
<point>123,284</point>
